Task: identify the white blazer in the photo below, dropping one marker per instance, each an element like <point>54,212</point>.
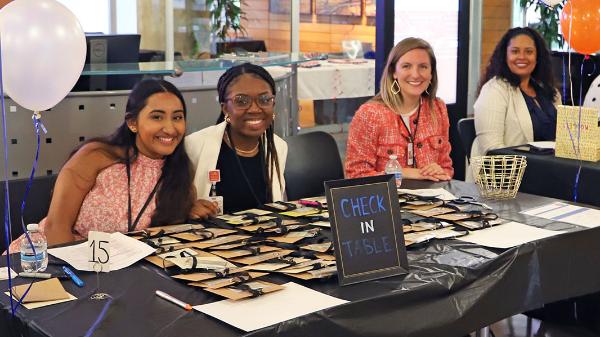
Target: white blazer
<point>501,117</point>
<point>203,148</point>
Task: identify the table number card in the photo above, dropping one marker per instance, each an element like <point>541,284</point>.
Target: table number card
<point>99,251</point>
<point>367,232</point>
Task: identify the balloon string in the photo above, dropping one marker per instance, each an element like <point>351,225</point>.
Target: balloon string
<point>7,222</point>
<point>37,123</point>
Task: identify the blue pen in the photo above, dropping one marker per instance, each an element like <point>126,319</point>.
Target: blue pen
<point>73,277</point>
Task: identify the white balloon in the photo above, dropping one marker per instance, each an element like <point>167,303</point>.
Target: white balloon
<point>552,3</point>
<point>43,52</point>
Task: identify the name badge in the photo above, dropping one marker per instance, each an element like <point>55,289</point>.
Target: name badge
<point>410,154</point>
<point>214,176</point>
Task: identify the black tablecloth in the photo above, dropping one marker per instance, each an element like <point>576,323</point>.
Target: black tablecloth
<point>554,177</point>
<point>452,288</point>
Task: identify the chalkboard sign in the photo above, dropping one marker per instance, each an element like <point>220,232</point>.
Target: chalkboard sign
<point>367,232</point>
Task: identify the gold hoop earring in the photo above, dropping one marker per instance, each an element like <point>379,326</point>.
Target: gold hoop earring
<point>227,119</point>
<point>274,115</point>
<point>395,90</point>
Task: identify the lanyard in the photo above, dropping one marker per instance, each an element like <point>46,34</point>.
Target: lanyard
<point>410,147</point>
<point>131,226</point>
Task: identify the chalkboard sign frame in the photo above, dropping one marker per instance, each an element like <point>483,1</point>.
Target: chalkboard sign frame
<point>381,251</point>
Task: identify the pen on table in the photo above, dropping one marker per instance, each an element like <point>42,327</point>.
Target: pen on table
<point>173,300</point>
<point>73,277</point>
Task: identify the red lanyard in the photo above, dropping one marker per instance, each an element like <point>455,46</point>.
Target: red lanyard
<point>410,147</point>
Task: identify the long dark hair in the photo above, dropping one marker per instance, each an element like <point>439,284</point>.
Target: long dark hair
<point>271,159</point>
<point>174,198</point>
<point>542,74</point>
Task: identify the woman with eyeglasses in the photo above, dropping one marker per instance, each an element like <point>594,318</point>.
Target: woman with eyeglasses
<point>242,146</point>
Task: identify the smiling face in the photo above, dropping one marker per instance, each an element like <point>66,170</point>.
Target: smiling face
<point>159,126</point>
<point>413,73</point>
<point>249,105</point>
<point>521,56</point>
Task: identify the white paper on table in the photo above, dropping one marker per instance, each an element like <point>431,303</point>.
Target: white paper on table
<point>560,211</point>
<point>4,273</point>
<point>507,235</point>
<point>543,145</point>
<point>293,301</point>
<point>124,250</point>
<point>429,192</point>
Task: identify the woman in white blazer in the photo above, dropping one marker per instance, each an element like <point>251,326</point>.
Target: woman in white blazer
<point>517,98</point>
<point>242,146</point>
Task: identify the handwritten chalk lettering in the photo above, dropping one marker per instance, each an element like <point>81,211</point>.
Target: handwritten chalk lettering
<point>362,206</point>
<point>369,246</point>
<point>367,226</point>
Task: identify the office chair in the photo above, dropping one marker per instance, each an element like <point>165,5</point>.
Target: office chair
<point>36,208</point>
<point>313,158</point>
<point>466,132</point>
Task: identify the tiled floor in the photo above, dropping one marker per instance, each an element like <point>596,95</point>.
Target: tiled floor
<point>521,326</point>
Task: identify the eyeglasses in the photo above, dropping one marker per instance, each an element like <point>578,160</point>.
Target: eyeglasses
<point>242,101</point>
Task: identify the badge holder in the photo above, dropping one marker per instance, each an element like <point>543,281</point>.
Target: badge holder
<point>214,176</point>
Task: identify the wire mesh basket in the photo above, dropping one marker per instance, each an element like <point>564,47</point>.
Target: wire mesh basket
<point>498,177</point>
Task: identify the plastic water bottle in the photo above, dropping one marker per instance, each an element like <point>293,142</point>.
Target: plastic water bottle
<point>393,167</point>
<point>34,262</point>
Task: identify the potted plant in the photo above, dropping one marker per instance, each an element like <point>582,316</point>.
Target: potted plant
<point>548,26</point>
<point>226,16</point>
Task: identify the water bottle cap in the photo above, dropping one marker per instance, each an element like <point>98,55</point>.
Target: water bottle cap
<point>32,227</point>
<point>393,157</point>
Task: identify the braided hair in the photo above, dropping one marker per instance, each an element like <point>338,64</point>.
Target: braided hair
<point>271,159</point>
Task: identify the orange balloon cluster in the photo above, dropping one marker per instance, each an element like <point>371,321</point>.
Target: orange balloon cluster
<point>582,17</point>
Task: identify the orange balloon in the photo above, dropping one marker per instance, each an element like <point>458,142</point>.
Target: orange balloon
<point>583,18</point>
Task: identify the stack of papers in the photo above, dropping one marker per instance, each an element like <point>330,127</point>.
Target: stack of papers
<point>508,235</point>
<point>440,193</point>
<point>293,301</point>
<point>560,211</point>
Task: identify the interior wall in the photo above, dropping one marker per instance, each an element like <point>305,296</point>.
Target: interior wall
<point>496,20</point>
<point>315,35</point>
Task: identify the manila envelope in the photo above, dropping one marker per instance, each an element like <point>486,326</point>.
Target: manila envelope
<point>224,282</point>
<point>422,205</point>
<point>254,211</point>
<point>230,254</point>
<point>42,291</point>
<point>237,294</point>
<point>316,273</point>
<point>262,257</point>
<point>219,241</point>
<point>293,237</point>
<point>318,247</point>
<point>190,236</point>
<point>432,212</point>
<point>196,277</point>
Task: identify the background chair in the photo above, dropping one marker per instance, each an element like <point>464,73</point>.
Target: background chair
<point>466,132</point>
<point>312,159</point>
<point>36,208</point>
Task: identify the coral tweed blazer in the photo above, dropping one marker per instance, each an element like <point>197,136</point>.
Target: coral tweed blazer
<point>376,130</point>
